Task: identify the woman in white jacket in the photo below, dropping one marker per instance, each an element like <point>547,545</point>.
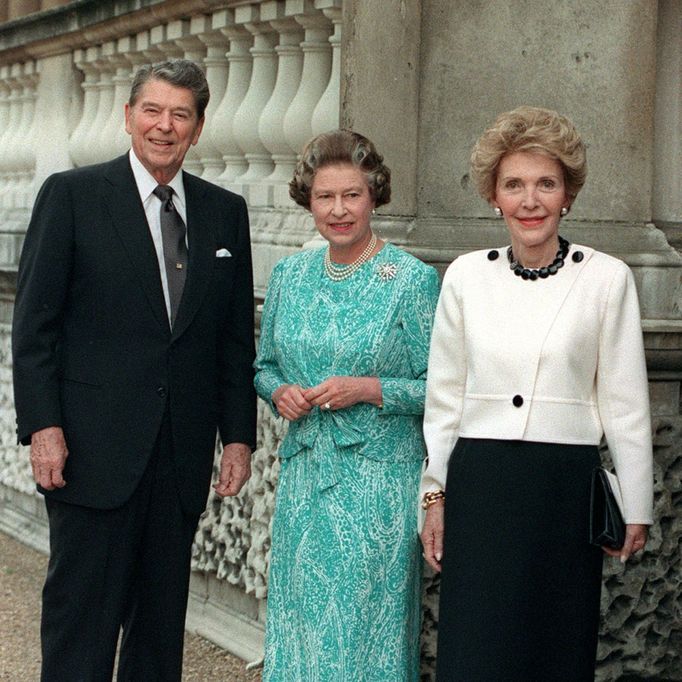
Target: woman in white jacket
<point>536,354</point>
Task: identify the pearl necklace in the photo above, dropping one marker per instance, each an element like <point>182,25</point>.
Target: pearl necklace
<point>338,272</point>
<point>544,272</point>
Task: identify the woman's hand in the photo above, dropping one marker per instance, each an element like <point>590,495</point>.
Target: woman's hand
<point>336,393</point>
<point>432,534</point>
<point>635,538</point>
<point>291,402</point>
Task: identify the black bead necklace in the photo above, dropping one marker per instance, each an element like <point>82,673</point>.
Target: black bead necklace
<point>540,273</point>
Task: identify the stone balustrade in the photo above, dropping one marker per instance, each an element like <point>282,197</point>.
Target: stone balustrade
<point>273,70</point>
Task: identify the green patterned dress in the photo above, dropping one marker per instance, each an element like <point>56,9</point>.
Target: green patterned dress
<point>345,570</point>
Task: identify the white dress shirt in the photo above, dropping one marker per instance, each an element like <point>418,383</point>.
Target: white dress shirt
<point>146,185</point>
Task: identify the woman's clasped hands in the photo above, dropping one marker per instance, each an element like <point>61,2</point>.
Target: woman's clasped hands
<point>293,401</point>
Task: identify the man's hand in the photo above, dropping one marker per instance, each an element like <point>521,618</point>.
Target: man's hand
<point>235,469</point>
<point>48,456</point>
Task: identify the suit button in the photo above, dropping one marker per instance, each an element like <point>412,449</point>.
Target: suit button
<point>493,255</point>
<point>517,400</point>
<point>161,391</point>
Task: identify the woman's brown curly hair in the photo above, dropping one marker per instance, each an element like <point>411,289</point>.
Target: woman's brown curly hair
<point>535,130</point>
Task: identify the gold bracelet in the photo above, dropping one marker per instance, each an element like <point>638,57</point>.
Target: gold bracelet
<point>432,497</point>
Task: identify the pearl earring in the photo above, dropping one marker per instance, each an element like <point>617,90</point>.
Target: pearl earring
<point>498,211</point>
<point>564,211</point>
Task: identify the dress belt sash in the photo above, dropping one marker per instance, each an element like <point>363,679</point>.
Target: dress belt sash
<point>324,433</point>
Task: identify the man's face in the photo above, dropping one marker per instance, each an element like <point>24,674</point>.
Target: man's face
<point>162,124</point>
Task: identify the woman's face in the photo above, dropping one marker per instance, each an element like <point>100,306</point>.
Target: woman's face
<point>342,205</point>
<point>531,193</point>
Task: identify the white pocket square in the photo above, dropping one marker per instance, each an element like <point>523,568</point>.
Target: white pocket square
<point>222,253</point>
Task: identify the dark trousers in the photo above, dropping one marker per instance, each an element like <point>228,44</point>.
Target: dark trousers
<point>120,568</point>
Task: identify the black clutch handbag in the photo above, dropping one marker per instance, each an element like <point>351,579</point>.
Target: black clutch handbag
<point>607,528</point>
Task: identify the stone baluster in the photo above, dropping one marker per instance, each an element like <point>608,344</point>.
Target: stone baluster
<point>114,135</point>
<point>81,140</point>
<point>274,189</point>
<point>326,113</point>
<point>180,42</point>
<point>148,50</point>
<point>216,74</point>
<point>245,124</point>
<point>10,140</point>
<point>5,127</point>
<point>314,79</point>
<point>164,46</point>
<point>238,77</point>
<point>97,148</point>
<point>25,149</point>
<point>59,103</point>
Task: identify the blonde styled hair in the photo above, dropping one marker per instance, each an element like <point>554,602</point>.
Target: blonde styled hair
<point>341,147</point>
<point>534,130</point>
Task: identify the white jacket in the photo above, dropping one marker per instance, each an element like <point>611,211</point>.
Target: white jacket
<point>559,360</point>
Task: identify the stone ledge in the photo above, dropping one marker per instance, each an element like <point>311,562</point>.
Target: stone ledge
<point>24,517</point>
<point>220,622</point>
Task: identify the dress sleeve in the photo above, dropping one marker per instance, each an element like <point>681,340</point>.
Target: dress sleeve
<point>268,374</point>
<point>445,385</point>
<point>623,396</point>
<point>401,395</point>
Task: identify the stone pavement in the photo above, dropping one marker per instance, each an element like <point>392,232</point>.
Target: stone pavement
<point>22,571</point>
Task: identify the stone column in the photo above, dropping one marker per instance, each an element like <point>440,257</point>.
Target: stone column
<point>180,36</point>
<point>51,4</point>
<point>667,189</point>
<point>245,125</point>
<point>274,188</point>
<point>238,77</point>
<point>317,62</point>
<point>117,140</point>
<point>80,137</point>
<point>326,114</point>
<point>98,148</point>
<point>216,74</point>
<point>57,88</point>
<point>11,164</point>
<point>20,8</point>
<point>380,83</point>
<point>25,142</point>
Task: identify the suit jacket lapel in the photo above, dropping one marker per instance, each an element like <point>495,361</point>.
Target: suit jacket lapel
<point>122,201</point>
<point>201,254</point>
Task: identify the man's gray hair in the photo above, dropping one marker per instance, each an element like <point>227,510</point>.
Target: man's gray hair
<point>181,73</point>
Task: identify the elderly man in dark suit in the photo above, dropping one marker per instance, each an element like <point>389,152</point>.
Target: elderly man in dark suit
<point>133,346</point>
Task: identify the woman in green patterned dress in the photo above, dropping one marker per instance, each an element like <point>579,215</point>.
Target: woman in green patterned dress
<point>343,354</point>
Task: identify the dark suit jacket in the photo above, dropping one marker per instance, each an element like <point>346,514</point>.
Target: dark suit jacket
<point>92,345</point>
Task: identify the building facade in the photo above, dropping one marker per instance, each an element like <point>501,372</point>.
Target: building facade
<point>422,79</point>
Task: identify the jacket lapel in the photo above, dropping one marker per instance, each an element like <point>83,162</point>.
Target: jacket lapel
<point>201,254</point>
<point>122,201</point>
<point>565,282</point>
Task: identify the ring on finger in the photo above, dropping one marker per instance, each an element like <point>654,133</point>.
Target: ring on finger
<point>327,406</point>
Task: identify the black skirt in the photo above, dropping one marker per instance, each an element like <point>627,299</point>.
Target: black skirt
<point>520,586</point>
